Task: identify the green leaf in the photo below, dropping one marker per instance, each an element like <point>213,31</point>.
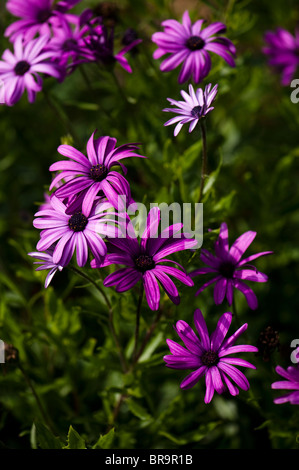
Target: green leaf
<point>75,441</point>
<point>138,410</point>
<point>105,441</point>
<point>44,437</point>
<point>212,178</point>
<point>177,441</point>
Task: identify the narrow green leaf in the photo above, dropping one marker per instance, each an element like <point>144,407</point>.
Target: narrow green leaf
<point>105,441</point>
<point>44,437</point>
<point>138,410</point>
<point>75,441</point>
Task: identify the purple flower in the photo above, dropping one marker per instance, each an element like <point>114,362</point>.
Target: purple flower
<point>67,42</point>
<point>37,17</point>
<point>99,47</point>
<point>71,231</point>
<point>229,270</point>
<point>46,262</point>
<point>291,374</point>
<point>283,53</point>
<point>20,71</point>
<point>145,261</point>
<point>189,44</point>
<point>207,356</point>
<point>94,173</point>
<point>194,107</point>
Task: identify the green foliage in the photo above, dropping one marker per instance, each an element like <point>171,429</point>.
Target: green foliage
<point>78,393</point>
<point>74,440</point>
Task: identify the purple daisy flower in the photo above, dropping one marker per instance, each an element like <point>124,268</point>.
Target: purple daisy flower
<point>229,269</point>
<point>20,71</point>
<point>46,262</point>
<point>71,231</point>
<point>207,356</point>
<point>67,43</point>
<point>291,374</point>
<point>37,17</point>
<point>99,47</point>
<point>145,261</point>
<point>95,172</point>
<point>194,107</point>
<point>189,44</point>
<point>283,53</point>
<point>68,40</point>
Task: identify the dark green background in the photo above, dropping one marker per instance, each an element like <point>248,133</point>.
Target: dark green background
<point>61,333</point>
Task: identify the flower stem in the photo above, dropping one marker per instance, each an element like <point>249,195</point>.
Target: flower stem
<point>59,112</point>
<point>204,157</point>
<point>118,86</point>
<point>148,335</point>
<point>110,317</point>
<point>93,282</point>
<point>37,399</point>
<point>116,412</point>
<point>235,313</point>
<point>138,322</point>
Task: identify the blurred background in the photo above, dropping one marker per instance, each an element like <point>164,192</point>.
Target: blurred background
<point>61,333</point>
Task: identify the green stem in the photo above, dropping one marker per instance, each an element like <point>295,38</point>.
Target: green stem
<point>86,78</point>
<point>110,317</point>
<point>121,92</point>
<point>116,412</point>
<point>235,313</point>
<point>93,282</point>
<point>37,399</point>
<point>138,322</point>
<point>204,157</point>
<point>59,112</point>
<point>148,336</point>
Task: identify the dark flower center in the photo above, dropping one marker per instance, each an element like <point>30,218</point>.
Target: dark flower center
<point>195,43</point>
<point>69,44</point>
<point>21,67</point>
<point>144,263</point>
<point>227,270</point>
<point>43,15</point>
<point>129,36</point>
<point>78,222</point>
<point>209,358</point>
<point>196,111</point>
<point>98,172</point>
<point>267,342</point>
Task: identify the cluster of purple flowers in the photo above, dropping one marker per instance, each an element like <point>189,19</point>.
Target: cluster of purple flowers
<point>49,40</point>
<point>283,52</point>
<point>89,204</point>
<point>88,192</point>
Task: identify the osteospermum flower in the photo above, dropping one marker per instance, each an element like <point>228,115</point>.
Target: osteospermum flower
<point>189,44</point>
<point>291,374</point>
<point>208,356</point>
<point>99,47</point>
<point>67,41</point>
<point>72,231</point>
<point>194,107</point>
<point>95,172</point>
<point>283,53</point>
<point>37,17</point>
<point>229,269</point>
<point>145,261</point>
<point>46,262</point>
<point>20,71</point>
